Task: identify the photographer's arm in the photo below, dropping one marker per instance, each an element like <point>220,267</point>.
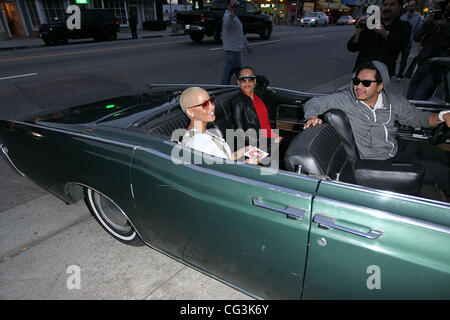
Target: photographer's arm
<point>423,30</point>
<point>398,38</point>
<point>353,44</point>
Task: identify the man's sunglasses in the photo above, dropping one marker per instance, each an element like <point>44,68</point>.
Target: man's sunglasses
<point>205,105</point>
<point>365,83</point>
<point>247,78</point>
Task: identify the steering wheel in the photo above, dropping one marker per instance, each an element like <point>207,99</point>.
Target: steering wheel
<point>441,134</point>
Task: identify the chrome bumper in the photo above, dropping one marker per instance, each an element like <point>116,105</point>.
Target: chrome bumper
<point>4,153</point>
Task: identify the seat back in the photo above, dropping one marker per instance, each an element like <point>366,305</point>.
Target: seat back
<point>319,150</point>
<point>338,119</point>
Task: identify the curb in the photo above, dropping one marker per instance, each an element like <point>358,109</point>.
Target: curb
<point>118,39</point>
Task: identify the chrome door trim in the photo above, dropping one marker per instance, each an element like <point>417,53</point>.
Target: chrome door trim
<point>329,223</point>
<point>5,154</point>
<point>390,194</point>
<point>290,212</point>
<point>229,176</point>
<point>385,215</point>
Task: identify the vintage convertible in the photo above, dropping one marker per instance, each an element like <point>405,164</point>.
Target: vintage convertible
<point>313,228</point>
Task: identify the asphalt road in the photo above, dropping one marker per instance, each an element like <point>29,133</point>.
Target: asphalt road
<point>41,238</point>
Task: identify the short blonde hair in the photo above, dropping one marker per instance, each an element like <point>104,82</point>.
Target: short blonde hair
<point>186,97</point>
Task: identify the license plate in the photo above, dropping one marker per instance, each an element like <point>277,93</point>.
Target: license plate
<point>187,27</point>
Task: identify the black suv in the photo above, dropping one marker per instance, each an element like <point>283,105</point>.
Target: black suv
<point>100,24</point>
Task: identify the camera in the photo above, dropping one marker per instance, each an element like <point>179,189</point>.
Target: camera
<point>235,5</point>
<point>362,23</point>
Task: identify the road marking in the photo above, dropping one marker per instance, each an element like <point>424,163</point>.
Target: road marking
<point>250,44</point>
<point>19,76</point>
<point>89,51</point>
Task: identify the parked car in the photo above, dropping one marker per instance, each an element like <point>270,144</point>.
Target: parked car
<point>201,22</point>
<point>275,233</point>
<point>314,19</point>
<point>100,24</point>
<point>345,20</point>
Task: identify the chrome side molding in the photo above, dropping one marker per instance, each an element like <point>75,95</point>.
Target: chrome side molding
<point>5,155</point>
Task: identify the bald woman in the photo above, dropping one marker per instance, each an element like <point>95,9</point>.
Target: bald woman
<point>200,108</point>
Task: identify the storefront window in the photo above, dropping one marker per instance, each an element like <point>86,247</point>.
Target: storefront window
<point>54,9</point>
<point>97,4</point>
<point>34,17</point>
<point>119,9</point>
<point>149,10</point>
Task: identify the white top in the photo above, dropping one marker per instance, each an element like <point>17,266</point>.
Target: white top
<point>206,142</point>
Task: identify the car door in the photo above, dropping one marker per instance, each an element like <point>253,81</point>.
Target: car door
<point>230,220</point>
<point>370,244</point>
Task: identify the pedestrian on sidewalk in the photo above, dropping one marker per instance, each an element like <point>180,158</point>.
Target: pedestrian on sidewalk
<point>415,20</point>
<point>382,44</point>
<point>132,22</point>
<point>434,35</point>
<point>234,42</point>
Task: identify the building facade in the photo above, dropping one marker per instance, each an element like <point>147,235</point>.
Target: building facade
<point>22,18</point>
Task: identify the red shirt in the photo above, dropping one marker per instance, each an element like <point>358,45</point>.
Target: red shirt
<point>263,116</point>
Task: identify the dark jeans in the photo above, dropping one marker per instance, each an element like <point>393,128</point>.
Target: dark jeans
<point>434,160</point>
<point>234,63</point>
<point>403,61</point>
<point>134,32</point>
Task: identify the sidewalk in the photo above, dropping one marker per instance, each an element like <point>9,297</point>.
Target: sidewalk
<point>29,42</point>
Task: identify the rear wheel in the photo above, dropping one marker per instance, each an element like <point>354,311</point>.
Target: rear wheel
<point>197,36</point>
<point>265,32</point>
<point>48,42</point>
<point>111,218</point>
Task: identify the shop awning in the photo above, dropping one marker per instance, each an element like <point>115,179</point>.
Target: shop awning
<point>331,5</point>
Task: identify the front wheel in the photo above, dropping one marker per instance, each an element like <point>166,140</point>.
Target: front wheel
<point>111,218</point>
<point>265,32</point>
<point>197,36</point>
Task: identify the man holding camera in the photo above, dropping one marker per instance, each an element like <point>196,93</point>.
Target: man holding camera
<point>383,44</point>
<point>234,42</point>
<point>434,36</point>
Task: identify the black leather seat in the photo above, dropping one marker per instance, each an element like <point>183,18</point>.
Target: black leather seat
<point>320,150</point>
<point>404,177</point>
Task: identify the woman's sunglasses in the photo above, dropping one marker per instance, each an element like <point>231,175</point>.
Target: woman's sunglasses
<point>365,83</point>
<point>205,105</point>
<point>247,78</point>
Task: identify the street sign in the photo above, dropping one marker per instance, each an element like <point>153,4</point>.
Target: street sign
<point>81,1</point>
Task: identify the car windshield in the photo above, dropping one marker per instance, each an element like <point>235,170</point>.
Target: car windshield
<point>312,14</point>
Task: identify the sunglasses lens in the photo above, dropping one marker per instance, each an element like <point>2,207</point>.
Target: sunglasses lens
<point>206,104</point>
<point>248,78</point>
<point>365,83</point>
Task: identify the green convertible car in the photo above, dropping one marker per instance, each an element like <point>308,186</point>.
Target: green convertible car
<point>310,227</point>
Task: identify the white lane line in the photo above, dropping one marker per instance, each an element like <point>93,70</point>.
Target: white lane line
<point>19,76</point>
<point>250,44</point>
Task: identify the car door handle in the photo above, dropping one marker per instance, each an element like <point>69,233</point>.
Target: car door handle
<point>328,223</point>
<point>290,212</point>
